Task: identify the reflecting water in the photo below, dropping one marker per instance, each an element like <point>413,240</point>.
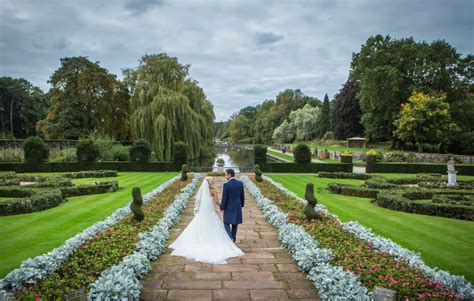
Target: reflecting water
<point>236,158</point>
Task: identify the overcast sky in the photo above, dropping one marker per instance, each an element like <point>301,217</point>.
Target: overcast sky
<point>241,52</point>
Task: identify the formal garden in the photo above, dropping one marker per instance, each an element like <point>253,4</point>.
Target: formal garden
<point>371,190</point>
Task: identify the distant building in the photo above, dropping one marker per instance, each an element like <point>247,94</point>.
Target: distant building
<point>358,142</point>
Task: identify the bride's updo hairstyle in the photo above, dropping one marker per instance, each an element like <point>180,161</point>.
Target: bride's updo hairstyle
<point>210,180</point>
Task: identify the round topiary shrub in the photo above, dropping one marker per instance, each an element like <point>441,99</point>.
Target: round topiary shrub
<point>35,150</point>
<point>372,156</point>
<point>136,205</point>
<point>260,153</point>
<point>184,172</point>
<point>87,151</point>
<point>258,173</point>
<point>302,153</point>
<point>140,151</point>
<point>180,155</point>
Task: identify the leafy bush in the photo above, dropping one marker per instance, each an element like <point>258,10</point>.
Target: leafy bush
<point>87,151</point>
<point>63,155</point>
<point>328,135</point>
<point>40,200</point>
<point>104,144</point>
<point>372,156</point>
<point>302,153</point>
<point>140,151</point>
<point>35,150</point>
<point>346,157</point>
<point>184,172</point>
<point>180,155</point>
<point>344,175</point>
<point>11,154</point>
<point>260,153</point>
<point>258,173</point>
<point>350,190</point>
<point>430,148</point>
<point>463,144</point>
<point>305,167</point>
<point>120,153</point>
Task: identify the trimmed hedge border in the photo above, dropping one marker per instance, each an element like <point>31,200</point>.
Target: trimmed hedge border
<point>92,174</point>
<point>305,167</point>
<point>351,190</point>
<point>76,166</point>
<point>467,170</point>
<point>344,175</point>
<point>400,203</point>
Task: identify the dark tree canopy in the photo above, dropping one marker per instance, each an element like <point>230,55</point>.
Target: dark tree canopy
<point>347,112</point>
<point>389,70</point>
<point>85,98</point>
<point>22,105</point>
<point>325,117</point>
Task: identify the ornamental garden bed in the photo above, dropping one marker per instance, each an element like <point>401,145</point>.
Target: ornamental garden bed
<point>423,194</point>
<point>107,258</point>
<point>463,169</point>
<point>45,192</point>
<point>352,249</point>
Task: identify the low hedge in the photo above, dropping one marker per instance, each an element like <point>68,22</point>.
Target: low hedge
<point>379,183</point>
<point>467,170</point>
<point>466,200</point>
<point>16,191</point>
<point>9,182</point>
<point>96,188</point>
<point>92,174</point>
<point>76,166</point>
<point>6,175</point>
<point>400,203</point>
<point>306,167</point>
<point>41,200</point>
<point>351,190</point>
<point>344,175</point>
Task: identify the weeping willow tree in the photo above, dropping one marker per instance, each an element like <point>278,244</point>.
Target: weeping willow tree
<point>166,107</point>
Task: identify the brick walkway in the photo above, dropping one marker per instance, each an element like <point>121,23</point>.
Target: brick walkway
<point>267,270</point>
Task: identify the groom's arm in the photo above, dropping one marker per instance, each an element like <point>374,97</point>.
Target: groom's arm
<point>242,195</point>
<point>224,198</point>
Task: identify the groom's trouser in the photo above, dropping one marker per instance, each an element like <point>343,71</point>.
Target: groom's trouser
<point>231,231</point>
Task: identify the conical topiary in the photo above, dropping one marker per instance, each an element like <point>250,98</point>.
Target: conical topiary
<point>309,209</point>
<point>184,172</point>
<point>136,205</point>
<point>258,173</point>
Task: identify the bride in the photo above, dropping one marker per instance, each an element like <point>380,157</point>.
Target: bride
<point>205,238</point>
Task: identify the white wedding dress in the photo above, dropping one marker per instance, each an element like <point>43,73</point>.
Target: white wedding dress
<point>205,238</point>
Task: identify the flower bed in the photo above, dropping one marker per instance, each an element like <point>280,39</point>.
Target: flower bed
<point>82,245</point>
<point>378,261</point>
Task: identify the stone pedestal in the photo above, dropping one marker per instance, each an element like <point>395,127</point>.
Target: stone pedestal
<point>220,169</point>
<point>452,178</point>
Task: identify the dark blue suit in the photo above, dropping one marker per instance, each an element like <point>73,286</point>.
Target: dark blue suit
<point>233,199</point>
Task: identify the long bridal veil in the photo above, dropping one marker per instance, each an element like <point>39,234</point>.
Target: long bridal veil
<point>205,239</point>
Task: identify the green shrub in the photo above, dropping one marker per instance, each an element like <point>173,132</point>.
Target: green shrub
<point>260,153</point>
<point>372,157</point>
<point>305,167</point>
<point>463,144</point>
<point>180,153</point>
<point>258,173</point>
<point>346,157</point>
<point>6,175</point>
<point>136,205</point>
<point>379,183</point>
<point>302,153</point>
<point>76,166</point>
<point>328,135</point>
<point>91,174</point>
<point>9,182</point>
<point>344,175</point>
<point>466,200</point>
<point>65,155</point>
<point>140,151</point>
<point>38,201</point>
<point>87,151</point>
<point>184,172</point>
<point>120,153</point>
<point>351,190</point>
<point>417,168</point>
<point>104,144</point>
<point>35,150</point>
<point>88,189</point>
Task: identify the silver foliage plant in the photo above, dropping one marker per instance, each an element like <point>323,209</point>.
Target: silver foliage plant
<point>453,282</point>
<point>122,281</point>
<point>34,269</point>
<point>332,282</point>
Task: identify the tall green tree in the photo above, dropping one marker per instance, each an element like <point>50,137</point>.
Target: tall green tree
<point>302,125</point>
<point>168,107</point>
<point>22,105</point>
<point>388,70</point>
<point>324,117</point>
<point>85,98</point>
<point>347,112</point>
<point>425,118</point>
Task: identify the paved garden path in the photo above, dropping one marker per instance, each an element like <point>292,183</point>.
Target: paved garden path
<point>267,270</point>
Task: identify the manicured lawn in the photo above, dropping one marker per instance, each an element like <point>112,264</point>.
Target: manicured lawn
<point>280,155</point>
<point>442,242</point>
<point>29,235</point>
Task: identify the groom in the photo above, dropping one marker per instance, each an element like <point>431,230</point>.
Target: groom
<point>232,202</point>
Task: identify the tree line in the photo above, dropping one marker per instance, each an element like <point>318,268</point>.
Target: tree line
<point>399,90</point>
<point>156,101</point>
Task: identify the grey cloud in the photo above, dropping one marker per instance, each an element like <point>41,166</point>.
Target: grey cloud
<point>263,38</point>
<point>141,6</point>
<point>241,52</point>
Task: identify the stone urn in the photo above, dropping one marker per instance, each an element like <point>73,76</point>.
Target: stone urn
<point>220,165</point>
